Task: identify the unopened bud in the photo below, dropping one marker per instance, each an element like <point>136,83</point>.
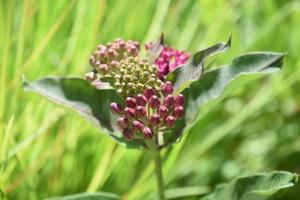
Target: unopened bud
<point>127,133</point>
<point>137,125</point>
<point>114,63</point>
<point>168,101</point>
<point>140,111</point>
<point>130,102</point>
<point>147,133</point>
<point>154,102</point>
<point>90,76</point>
<point>116,108</point>
<point>149,92</point>
<point>167,88</point>
<point>129,112</point>
<point>170,121</point>
<point>103,67</point>
<point>141,100</point>
<point>179,100</point>
<point>163,111</point>
<point>122,122</point>
<point>178,112</point>
<point>154,119</point>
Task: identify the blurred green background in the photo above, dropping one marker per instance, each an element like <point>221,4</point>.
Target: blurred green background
<point>48,151</point>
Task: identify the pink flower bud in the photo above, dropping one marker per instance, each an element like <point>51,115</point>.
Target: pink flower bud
<point>141,100</point>
<point>170,121</point>
<point>149,92</point>
<point>137,125</point>
<point>123,122</point>
<point>102,53</point>
<point>167,88</point>
<point>129,112</point>
<point>154,119</point>
<point>147,133</point>
<point>178,112</point>
<point>101,46</point>
<point>90,76</point>
<point>154,102</point>
<point>114,63</point>
<point>108,45</point>
<point>163,111</point>
<point>116,108</point>
<point>179,100</point>
<point>140,111</point>
<point>103,67</point>
<point>130,102</point>
<point>117,40</point>
<point>122,44</point>
<point>168,101</point>
<point>110,52</point>
<point>127,133</point>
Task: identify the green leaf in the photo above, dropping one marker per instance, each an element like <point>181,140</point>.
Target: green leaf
<point>255,187</point>
<point>79,95</point>
<point>89,196</point>
<point>190,72</point>
<point>212,84</point>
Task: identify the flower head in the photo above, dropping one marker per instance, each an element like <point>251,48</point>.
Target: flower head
<point>168,60</point>
<point>148,104</point>
<point>119,63</point>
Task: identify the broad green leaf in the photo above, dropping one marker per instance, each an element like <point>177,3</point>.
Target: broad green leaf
<point>255,187</point>
<point>186,74</point>
<point>79,95</point>
<point>212,84</point>
<point>89,196</point>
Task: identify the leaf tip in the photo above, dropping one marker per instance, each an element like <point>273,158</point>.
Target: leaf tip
<point>229,40</point>
<point>25,83</point>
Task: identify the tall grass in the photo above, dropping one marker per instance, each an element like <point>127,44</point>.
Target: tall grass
<point>47,151</point>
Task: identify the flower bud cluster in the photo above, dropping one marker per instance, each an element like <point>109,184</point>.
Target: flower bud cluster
<point>119,64</point>
<point>168,60</point>
<point>134,75</point>
<point>107,57</point>
<point>150,112</point>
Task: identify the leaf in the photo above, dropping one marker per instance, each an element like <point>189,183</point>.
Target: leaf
<point>212,83</point>
<point>89,196</point>
<point>186,74</point>
<point>155,49</point>
<point>79,95</point>
<point>255,187</point>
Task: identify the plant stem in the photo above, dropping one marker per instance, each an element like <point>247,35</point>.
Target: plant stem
<point>159,175</point>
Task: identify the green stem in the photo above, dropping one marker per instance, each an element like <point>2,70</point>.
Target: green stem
<point>159,175</point>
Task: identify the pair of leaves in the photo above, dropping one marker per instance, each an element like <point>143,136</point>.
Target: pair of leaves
<point>258,187</point>
<point>93,104</point>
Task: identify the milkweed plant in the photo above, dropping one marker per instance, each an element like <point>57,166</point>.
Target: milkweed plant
<point>145,96</point>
